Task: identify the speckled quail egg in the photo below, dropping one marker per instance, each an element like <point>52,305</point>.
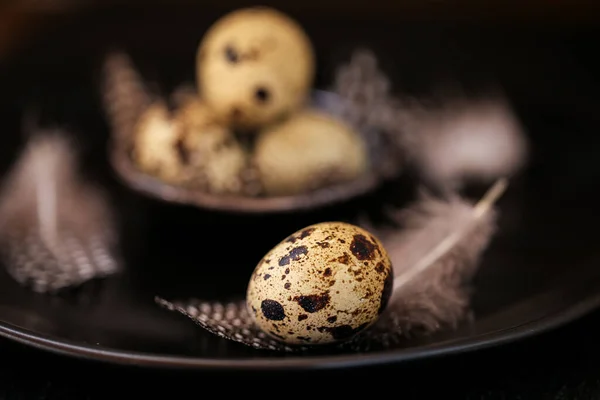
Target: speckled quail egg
<point>254,66</point>
<point>309,151</point>
<point>211,150</point>
<point>155,138</point>
<point>194,114</point>
<point>323,284</point>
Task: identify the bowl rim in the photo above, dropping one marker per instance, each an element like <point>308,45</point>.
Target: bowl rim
<point>169,193</point>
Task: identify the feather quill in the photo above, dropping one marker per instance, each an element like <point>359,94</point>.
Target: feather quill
<point>55,229</point>
<point>435,255</point>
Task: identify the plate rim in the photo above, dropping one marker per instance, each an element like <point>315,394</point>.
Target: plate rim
<point>547,322</point>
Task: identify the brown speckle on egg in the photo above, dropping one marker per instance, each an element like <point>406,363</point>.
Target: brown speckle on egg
<point>272,310</point>
<point>301,235</point>
<point>327,293</point>
<point>342,332</point>
<point>231,55</point>
<point>262,94</point>
<point>362,248</point>
<point>182,152</point>
<point>306,233</point>
<point>344,259</point>
<point>293,255</point>
<point>313,303</point>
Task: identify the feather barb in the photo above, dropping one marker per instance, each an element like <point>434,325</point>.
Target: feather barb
<point>446,244</point>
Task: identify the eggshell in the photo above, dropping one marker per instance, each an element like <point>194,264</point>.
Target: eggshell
<point>194,114</point>
<point>155,138</point>
<point>310,150</point>
<point>212,151</point>
<point>254,66</point>
<point>189,149</point>
<point>323,284</point>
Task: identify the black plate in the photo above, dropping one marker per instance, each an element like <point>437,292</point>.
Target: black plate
<point>541,271</point>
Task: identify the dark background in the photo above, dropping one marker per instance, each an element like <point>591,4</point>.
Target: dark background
<point>543,54</point>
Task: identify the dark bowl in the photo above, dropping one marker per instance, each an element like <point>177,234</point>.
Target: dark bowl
<point>327,196</point>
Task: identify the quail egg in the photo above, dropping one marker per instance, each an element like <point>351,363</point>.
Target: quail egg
<point>155,137</point>
<point>309,151</point>
<point>254,66</point>
<point>321,285</point>
<point>194,114</point>
<point>211,150</point>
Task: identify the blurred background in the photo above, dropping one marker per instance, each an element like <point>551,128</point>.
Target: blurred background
<point>542,54</point>
<point>539,51</point>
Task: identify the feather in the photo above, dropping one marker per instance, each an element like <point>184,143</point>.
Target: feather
<point>124,93</point>
<point>369,106</point>
<point>55,229</point>
<point>435,255</point>
<point>463,142</point>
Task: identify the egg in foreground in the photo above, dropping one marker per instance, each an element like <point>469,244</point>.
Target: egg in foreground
<point>323,284</point>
